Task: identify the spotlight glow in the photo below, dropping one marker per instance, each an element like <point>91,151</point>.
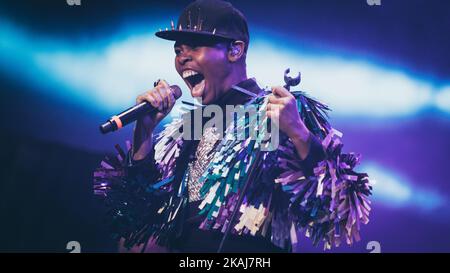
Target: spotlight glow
<point>111,76</point>
<point>393,190</point>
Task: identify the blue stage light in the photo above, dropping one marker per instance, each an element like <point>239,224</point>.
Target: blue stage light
<point>111,74</point>
<point>393,190</point>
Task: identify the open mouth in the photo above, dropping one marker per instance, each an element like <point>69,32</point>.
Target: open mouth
<point>196,82</point>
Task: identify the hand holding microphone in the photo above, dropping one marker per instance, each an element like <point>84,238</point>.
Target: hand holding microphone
<point>151,107</point>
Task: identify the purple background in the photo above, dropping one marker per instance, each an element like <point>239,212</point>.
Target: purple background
<point>51,144</point>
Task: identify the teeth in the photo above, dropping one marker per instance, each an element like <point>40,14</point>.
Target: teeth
<point>188,73</point>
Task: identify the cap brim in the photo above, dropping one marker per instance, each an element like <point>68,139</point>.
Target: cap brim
<point>187,35</point>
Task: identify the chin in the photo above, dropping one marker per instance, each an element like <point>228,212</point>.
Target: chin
<point>208,99</point>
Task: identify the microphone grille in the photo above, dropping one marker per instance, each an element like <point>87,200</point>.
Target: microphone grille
<point>176,91</point>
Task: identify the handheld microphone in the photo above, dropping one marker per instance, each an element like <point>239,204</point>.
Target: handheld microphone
<point>133,113</point>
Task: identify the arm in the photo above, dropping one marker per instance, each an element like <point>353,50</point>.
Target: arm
<point>328,199</point>
<point>126,181</point>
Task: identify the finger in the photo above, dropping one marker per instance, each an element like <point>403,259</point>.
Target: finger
<point>171,100</point>
<point>139,99</point>
<point>167,93</point>
<point>273,107</point>
<point>150,97</point>
<point>273,99</point>
<point>142,98</point>
<point>147,97</point>
<point>171,103</point>
<point>280,91</point>
<point>164,84</point>
<point>164,92</point>
<point>157,94</point>
<point>272,114</point>
<point>167,98</point>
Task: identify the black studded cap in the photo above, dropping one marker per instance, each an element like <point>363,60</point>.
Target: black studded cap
<point>208,20</point>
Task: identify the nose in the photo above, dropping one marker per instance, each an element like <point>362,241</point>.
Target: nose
<point>184,57</point>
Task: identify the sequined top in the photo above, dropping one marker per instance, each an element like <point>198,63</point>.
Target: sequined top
<point>202,158</point>
<point>211,137</point>
<point>321,196</point>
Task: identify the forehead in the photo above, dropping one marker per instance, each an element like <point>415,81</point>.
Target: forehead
<point>199,43</point>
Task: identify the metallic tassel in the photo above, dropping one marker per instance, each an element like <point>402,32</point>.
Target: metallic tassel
<point>189,20</point>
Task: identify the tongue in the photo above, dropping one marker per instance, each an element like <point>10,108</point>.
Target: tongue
<point>198,89</point>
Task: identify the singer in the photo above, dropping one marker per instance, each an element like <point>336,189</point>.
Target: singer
<point>173,193</point>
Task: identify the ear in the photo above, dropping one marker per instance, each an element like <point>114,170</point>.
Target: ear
<point>236,50</point>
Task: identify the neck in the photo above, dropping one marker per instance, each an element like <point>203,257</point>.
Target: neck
<point>237,76</point>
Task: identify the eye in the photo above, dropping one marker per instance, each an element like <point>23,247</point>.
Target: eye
<point>198,46</point>
<point>177,51</point>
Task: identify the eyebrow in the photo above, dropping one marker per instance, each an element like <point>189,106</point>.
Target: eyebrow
<point>197,44</point>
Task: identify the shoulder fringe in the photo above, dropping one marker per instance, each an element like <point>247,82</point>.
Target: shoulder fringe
<point>328,206</point>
